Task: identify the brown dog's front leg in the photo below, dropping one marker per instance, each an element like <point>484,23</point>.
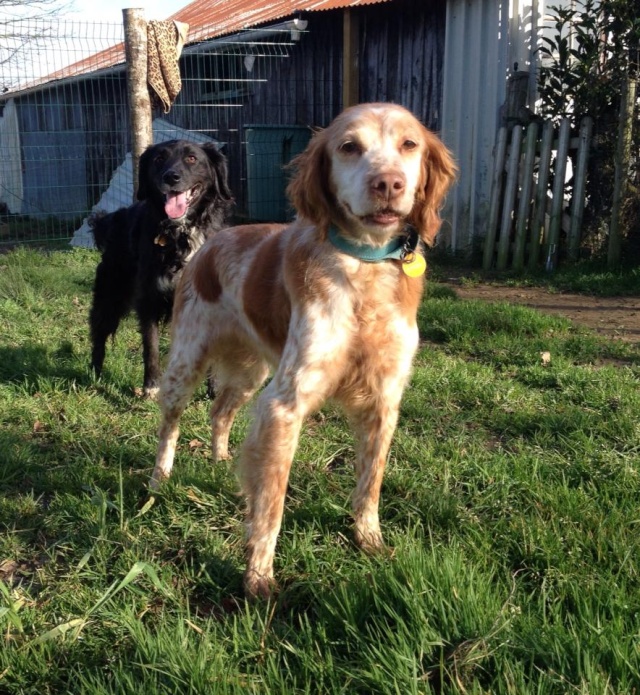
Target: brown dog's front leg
<point>373,428</point>
<point>264,471</point>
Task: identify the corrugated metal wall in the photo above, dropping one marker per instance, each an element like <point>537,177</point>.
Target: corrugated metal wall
<point>484,41</point>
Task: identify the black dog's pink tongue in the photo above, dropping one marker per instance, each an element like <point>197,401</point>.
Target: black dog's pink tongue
<point>175,205</point>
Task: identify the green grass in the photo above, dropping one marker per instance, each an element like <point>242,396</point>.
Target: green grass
<point>511,505</point>
<point>585,277</point>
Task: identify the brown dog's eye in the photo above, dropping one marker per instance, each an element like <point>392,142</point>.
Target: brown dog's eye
<point>409,145</point>
<point>349,147</point>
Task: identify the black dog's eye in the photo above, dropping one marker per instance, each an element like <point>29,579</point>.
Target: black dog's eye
<point>161,158</point>
<point>349,147</point>
<point>191,159</point>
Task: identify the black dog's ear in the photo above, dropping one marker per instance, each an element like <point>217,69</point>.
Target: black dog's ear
<point>144,165</point>
<point>219,164</point>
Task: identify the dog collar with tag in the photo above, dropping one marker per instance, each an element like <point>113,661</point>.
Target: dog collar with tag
<point>403,248</point>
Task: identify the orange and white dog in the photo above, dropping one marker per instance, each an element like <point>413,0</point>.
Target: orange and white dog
<point>328,302</point>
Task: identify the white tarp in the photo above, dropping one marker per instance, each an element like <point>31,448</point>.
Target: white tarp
<point>11,192</point>
<point>120,189</point>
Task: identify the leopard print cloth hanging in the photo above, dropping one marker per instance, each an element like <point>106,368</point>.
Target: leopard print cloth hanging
<point>164,45</point>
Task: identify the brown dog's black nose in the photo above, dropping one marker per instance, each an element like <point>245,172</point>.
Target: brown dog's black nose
<point>388,185</point>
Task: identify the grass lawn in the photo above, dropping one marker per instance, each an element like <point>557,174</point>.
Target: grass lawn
<point>511,506</point>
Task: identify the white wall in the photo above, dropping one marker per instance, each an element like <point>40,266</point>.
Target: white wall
<point>10,159</point>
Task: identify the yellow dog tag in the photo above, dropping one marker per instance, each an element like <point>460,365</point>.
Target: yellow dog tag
<point>414,265</point>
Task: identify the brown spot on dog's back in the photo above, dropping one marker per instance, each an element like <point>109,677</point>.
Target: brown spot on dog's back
<point>206,279</point>
<point>247,235</point>
<point>205,275</point>
<point>265,299</point>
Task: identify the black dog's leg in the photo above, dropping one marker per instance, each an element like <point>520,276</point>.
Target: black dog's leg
<point>111,301</point>
<point>151,356</point>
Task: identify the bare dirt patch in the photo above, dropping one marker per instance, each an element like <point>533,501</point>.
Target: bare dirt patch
<point>614,317</point>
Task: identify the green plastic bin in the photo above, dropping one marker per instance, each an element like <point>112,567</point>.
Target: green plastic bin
<point>269,149</point>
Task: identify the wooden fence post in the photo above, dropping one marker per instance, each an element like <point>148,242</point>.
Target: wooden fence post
<point>540,203</point>
<point>496,191</point>
<point>559,171</point>
<point>579,179</point>
<point>135,41</point>
<point>524,205</point>
<point>623,152</point>
<point>509,198</point>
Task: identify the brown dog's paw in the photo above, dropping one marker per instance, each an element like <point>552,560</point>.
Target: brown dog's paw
<point>258,587</point>
<point>369,541</point>
<point>156,480</point>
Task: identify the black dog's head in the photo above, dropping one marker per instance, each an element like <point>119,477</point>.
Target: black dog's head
<point>187,180</point>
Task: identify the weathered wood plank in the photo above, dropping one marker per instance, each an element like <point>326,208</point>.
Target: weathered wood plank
<point>540,201</point>
<point>510,189</point>
<point>579,186</point>
<point>557,202</point>
<point>496,194</point>
<point>524,205</point>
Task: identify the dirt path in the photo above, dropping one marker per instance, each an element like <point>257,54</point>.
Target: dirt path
<point>616,317</point>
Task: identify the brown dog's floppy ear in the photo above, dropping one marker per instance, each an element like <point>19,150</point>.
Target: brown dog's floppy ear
<point>308,189</point>
<point>438,173</point>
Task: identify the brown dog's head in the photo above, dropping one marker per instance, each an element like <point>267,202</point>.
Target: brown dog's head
<point>372,170</point>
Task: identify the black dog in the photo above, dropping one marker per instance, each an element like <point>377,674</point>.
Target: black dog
<point>184,198</point>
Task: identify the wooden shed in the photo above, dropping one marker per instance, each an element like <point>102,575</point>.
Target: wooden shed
<point>260,75</point>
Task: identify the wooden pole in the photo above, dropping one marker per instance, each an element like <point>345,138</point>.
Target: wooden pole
<point>496,192</point>
<point>135,42</point>
<point>510,190</point>
<point>524,205</point>
<point>623,153</point>
<point>540,204</point>
<point>350,57</point>
<point>557,202</point>
<point>580,182</point>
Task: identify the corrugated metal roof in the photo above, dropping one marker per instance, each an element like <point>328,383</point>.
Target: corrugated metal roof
<point>207,19</point>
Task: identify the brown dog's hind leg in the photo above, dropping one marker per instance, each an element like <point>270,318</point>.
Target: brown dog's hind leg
<point>186,369</point>
<point>235,383</point>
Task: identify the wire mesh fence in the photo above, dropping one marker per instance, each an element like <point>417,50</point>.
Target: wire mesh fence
<point>65,132</point>
<point>44,192</point>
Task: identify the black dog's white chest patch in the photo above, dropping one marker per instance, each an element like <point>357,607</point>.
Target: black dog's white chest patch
<point>182,242</point>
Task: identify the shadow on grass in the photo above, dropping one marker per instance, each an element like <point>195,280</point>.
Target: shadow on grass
<point>39,368</point>
<point>44,462</point>
<point>29,364</point>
